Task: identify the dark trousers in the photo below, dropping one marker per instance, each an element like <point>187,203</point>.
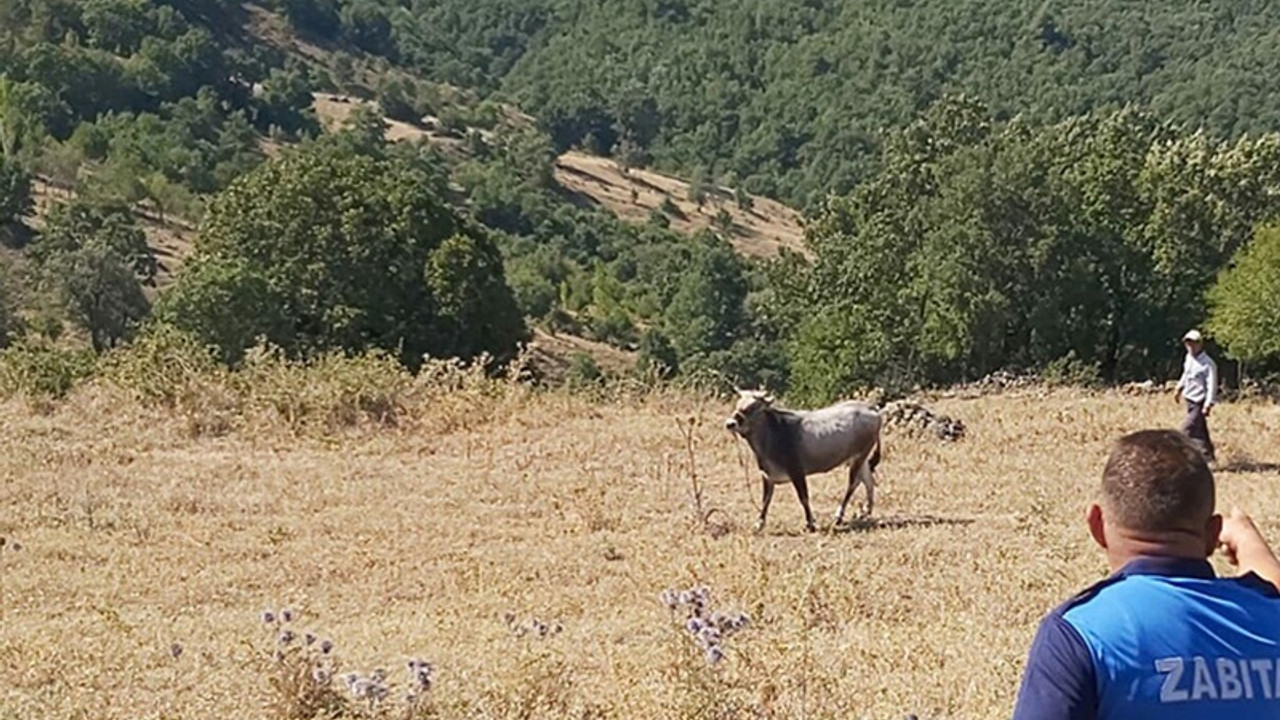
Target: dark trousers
<point>1197,428</point>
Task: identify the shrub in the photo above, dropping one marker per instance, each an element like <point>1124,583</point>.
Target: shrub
<point>40,371</point>
<point>583,372</point>
<point>226,304</point>
<point>1070,371</point>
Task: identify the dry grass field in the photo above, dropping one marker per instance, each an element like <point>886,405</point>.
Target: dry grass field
<point>127,539</point>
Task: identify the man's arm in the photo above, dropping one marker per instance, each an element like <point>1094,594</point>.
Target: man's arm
<point>1246,548</point>
<point>1059,682</point>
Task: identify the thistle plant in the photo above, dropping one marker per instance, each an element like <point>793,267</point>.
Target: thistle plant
<point>306,682</point>
<point>709,629</point>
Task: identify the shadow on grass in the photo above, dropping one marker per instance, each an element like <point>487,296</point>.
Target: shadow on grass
<point>1247,466</point>
<point>897,522</point>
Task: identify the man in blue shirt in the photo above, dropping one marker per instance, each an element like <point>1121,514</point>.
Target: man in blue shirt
<point>1162,637</point>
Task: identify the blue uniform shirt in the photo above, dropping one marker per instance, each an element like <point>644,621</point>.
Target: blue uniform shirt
<point>1162,638</point>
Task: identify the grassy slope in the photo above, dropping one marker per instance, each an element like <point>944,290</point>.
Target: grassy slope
<point>415,543</point>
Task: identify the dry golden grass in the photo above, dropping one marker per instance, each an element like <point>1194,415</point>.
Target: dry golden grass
<point>416,541</point>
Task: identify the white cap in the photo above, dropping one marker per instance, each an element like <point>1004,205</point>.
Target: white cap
<point>1192,336</point>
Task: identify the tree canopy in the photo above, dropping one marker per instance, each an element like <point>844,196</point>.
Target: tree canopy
<point>359,252</point>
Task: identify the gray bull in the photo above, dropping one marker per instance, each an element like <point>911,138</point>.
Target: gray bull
<point>790,445</point>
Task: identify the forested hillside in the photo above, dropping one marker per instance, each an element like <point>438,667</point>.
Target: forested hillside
<point>988,185</point>
<point>793,97</point>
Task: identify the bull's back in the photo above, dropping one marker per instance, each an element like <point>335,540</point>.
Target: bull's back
<point>835,435</point>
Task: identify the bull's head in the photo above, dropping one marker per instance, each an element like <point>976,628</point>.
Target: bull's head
<point>748,410</point>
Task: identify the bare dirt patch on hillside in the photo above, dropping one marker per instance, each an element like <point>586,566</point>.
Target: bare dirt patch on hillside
<point>125,538</point>
<point>761,230</point>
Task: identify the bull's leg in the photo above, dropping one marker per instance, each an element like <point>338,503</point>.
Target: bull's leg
<point>764,503</point>
<point>802,492</point>
<point>869,479</point>
<point>855,477</point>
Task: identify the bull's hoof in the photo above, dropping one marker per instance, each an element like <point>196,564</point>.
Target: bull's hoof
<point>811,528</point>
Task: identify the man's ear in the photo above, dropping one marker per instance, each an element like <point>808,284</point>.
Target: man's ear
<point>1212,531</point>
<point>1093,517</point>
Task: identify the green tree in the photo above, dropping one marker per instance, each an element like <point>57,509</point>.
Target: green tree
<point>656,354</point>
<point>15,190</point>
<point>102,293</point>
<point>476,311</point>
<point>97,260</point>
<point>366,254</point>
<point>285,102</point>
<point>226,304</point>
<point>109,225</point>
<point>1245,301</point>
<point>706,311</point>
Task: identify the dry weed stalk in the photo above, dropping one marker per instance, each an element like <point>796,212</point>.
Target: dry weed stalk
<point>702,510</point>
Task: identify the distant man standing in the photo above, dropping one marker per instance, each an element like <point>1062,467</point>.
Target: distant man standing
<point>1198,387</point>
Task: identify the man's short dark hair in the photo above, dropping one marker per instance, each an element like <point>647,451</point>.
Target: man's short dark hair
<point>1157,481</point>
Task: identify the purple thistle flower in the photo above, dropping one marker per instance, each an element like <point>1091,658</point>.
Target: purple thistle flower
<point>351,679</point>
<point>321,676</point>
<point>326,646</point>
<point>175,650</point>
<point>694,625</point>
<point>287,637</point>
<point>709,636</point>
<point>268,617</point>
<point>286,615</point>
<point>715,654</point>
<point>309,638</point>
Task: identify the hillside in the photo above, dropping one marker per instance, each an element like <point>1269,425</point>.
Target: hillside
<point>984,187</point>
<point>759,229</point>
<point>792,99</point>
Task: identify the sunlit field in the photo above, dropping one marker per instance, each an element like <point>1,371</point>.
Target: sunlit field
<point>138,560</point>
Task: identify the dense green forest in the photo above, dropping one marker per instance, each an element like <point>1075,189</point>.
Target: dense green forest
<point>988,185</point>
<point>792,98</point>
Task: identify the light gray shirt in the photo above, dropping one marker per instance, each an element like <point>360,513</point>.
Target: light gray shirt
<point>1199,381</point>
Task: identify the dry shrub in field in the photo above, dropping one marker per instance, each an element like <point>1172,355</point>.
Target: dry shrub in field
<point>328,393</point>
